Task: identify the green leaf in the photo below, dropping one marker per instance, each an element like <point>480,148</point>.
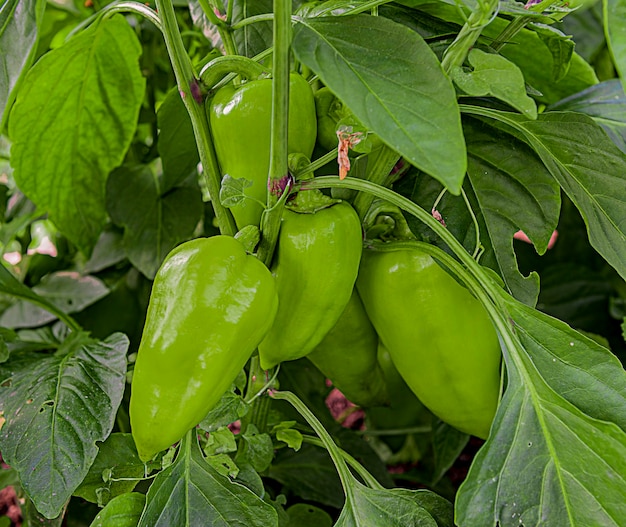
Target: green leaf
<point>390,507</point>
<point>229,409</point>
<point>176,142</point>
<point>582,371</point>
<point>117,459</point>
<point>494,75</point>
<point>224,465</point>
<point>191,493</point>
<point>252,39</point>
<point>605,103</point>
<point>530,53</point>
<point>70,109</point>
<point>220,441</point>
<point>555,434</point>
<point>257,449</point>
<point>287,434</point>
<point>57,408</point>
<point>394,84</point>
<point>448,443</point>
<point>309,473</point>
<point>233,190</point>
<point>587,166</point>
<point>19,32</point>
<point>67,290</point>
<point>515,191</point>
<point>561,48</point>
<point>122,511</point>
<point>108,251</point>
<point>154,221</point>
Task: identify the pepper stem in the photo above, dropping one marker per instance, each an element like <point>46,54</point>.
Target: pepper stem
<point>220,67</point>
<point>280,98</point>
<point>189,89</point>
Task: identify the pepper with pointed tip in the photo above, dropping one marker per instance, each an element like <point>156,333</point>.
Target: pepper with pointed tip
<point>439,336</point>
<point>316,264</point>
<point>211,304</point>
<point>348,356</point>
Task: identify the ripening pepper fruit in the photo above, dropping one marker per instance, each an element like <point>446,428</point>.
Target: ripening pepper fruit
<point>439,336</point>
<point>240,119</point>
<point>210,306</point>
<point>347,356</point>
<point>315,267</point>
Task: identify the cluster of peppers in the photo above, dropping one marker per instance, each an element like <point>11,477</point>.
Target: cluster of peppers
<point>327,296</point>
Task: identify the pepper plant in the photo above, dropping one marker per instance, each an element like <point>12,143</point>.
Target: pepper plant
<point>276,263</point>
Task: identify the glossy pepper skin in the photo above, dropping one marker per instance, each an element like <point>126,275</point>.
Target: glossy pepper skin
<point>210,306</point>
<point>438,335</point>
<point>316,264</point>
<point>240,119</point>
<point>347,356</point>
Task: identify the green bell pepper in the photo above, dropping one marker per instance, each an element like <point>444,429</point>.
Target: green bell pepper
<point>315,266</point>
<point>438,335</point>
<point>348,357</point>
<point>240,119</point>
<point>210,306</point>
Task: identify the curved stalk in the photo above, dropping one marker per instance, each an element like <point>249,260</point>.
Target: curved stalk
<point>189,89</point>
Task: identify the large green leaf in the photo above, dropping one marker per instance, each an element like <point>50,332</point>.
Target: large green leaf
<point>515,191</point>
<point>57,408</point>
<point>588,167</point>
<point>154,221</point>
<point>556,454</point>
<point>390,507</point>
<point>72,123</point>
<point>190,493</point>
<point>394,84</point>
<point>19,32</point>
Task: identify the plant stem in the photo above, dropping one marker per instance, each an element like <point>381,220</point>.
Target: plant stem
<point>318,163</point>
<point>383,163</point>
<point>280,99</point>
<point>345,475</point>
<point>210,9</point>
<point>278,179</point>
<point>457,52</point>
<point>188,86</point>
<point>370,480</point>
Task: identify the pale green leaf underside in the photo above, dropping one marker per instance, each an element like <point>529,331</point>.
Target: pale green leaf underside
<point>72,123</point>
